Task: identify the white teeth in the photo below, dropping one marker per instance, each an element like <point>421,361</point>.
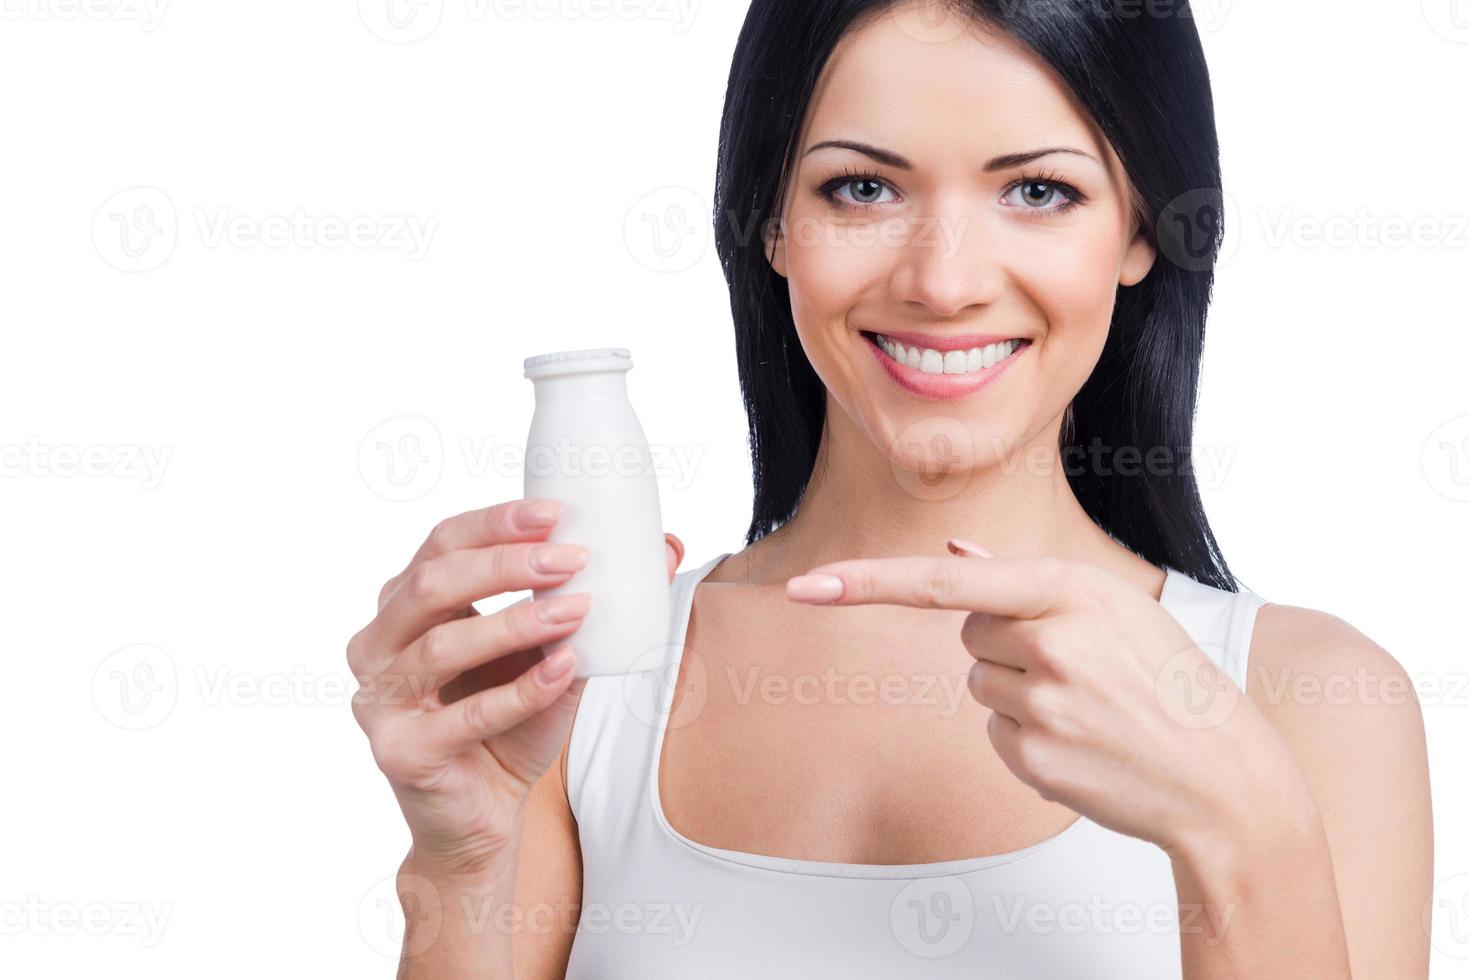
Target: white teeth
<point>948,362</point>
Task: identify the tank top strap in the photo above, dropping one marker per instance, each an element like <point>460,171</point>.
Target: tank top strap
<point>617,732</point>
<point>1221,623</point>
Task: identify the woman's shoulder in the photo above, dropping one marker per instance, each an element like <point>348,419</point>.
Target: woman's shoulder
<point>1347,708</point>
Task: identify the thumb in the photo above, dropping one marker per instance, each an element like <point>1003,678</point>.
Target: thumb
<point>675,553</point>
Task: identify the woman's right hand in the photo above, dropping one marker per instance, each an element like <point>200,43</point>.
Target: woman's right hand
<point>466,712</point>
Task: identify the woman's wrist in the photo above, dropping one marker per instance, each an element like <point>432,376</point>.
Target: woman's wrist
<point>451,914</point>
<point>1251,826</point>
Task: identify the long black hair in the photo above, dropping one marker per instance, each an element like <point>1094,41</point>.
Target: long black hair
<point>1142,77</point>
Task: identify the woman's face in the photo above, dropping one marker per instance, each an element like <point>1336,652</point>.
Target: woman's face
<point>985,208</point>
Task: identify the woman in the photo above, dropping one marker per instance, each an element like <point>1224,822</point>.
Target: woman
<point>889,751</point>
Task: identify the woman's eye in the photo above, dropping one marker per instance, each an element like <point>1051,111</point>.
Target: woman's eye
<point>862,191</point>
<point>1040,195</point>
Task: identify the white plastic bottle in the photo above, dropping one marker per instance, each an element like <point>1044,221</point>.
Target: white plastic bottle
<point>587,450</point>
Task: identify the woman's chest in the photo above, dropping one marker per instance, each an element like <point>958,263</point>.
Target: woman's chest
<point>838,740</point>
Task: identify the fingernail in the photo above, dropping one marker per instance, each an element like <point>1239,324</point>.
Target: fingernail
<point>814,588</point>
<point>539,513</point>
<point>549,558</point>
<point>961,547</point>
<point>563,608</point>
<point>556,664</point>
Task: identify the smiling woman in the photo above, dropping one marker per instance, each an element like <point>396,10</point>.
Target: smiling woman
<point>966,243</point>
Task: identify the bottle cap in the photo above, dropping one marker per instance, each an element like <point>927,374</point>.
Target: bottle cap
<point>578,362</point>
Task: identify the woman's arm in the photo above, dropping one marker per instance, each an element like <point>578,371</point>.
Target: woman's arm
<point>1351,851</point>
<point>517,919</point>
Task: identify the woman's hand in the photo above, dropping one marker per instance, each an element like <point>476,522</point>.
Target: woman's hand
<point>466,712</point>
<point>1101,700</point>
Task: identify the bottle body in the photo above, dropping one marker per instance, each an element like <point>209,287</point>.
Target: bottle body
<point>586,448</point>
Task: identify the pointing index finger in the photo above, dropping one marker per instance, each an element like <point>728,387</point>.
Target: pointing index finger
<point>1023,588</point>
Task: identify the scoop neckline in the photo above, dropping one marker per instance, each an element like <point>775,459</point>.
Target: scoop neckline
<point>805,866</point>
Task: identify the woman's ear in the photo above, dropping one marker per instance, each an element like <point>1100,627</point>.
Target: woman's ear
<point>775,252</point>
<point>1138,260</point>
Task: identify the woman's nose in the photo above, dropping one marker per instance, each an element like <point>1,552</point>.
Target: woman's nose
<point>947,264</point>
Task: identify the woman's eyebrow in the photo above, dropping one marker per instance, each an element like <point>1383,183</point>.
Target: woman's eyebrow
<point>891,159</point>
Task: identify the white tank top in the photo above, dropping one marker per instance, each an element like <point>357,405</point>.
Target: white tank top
<point>656,905</point>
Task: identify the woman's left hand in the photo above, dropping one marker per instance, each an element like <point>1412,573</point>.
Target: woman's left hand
<point>1101,700</point>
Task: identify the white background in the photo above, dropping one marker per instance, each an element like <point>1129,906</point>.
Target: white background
<point>177,736</point>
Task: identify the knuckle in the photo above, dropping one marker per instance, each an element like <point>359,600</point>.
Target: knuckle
<point>423,583</point>
<point>386,592</point>
<point>356,654</point>
<point>482,715</point>
<point>1044,646</point>
<point>521,626</point>
<point>1042,705</point>
<point>390,756</point>
<point>973,629</point>
<point>438,540</point>
<point>940,584</point>
<point>505,561</point>
<point>436,648</point>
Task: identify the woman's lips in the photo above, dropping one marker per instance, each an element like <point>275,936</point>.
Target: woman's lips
<point>942,387</point>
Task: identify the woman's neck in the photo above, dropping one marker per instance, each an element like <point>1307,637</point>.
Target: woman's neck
<point>858,504</point>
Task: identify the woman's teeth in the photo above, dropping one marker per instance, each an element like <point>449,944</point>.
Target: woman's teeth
<point>931,361</point>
